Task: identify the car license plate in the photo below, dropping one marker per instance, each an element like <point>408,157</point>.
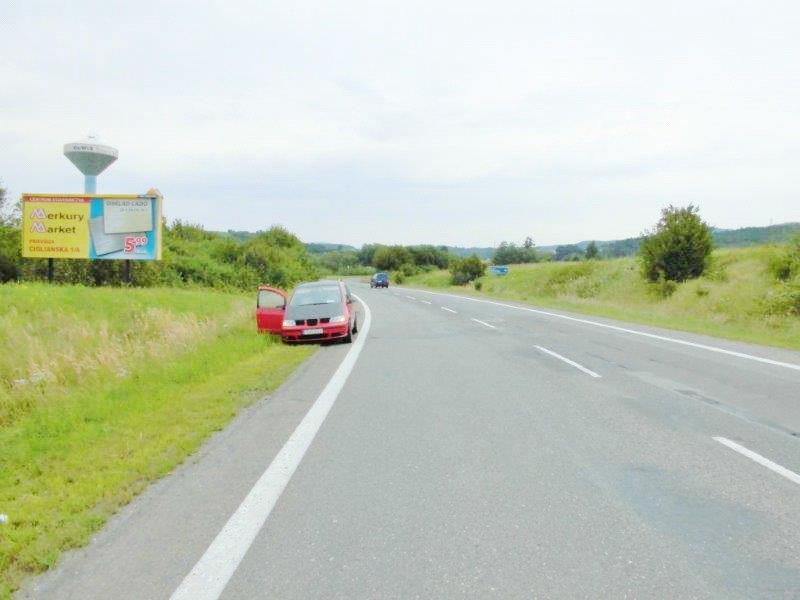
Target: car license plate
<point>312,332</point>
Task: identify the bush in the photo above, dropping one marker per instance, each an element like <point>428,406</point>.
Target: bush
<point>663,288</point>
<point>397,277</point>
<point>784,302</point>
<point>679,248</point>
<point>408,269</point>
<point>464,270</point>
<point>192,256</point>
<point>787,265</point>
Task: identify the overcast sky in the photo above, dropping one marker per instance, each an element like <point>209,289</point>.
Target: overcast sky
<point>462,123</point>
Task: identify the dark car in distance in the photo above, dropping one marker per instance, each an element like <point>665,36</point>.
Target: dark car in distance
<point>379,280</point>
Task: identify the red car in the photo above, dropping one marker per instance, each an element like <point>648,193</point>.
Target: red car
<point>318,311</point>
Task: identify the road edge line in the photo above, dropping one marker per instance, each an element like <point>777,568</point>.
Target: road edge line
<point>211,574</point>
<point>655,336</point>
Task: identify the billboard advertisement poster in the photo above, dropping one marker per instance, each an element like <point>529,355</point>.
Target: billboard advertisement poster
<point>108,227</point>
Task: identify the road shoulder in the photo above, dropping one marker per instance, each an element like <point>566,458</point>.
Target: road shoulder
<point>152,542</point>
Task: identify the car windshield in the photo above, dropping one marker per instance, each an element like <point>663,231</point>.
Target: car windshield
<point>318,294</point>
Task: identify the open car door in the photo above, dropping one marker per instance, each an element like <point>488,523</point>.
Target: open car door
<point>270,308</point>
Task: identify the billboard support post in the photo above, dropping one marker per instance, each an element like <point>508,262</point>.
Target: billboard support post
<point>126,272</point>
<point>50,270</point>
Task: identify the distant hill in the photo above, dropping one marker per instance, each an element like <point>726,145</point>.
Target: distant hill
<point>237,235</point>
<point>751,236</point>
<point>323,247</point>
<point>481,252</point>
<point>724,238</point>
<point>312,247</point>
<point>746,236</point>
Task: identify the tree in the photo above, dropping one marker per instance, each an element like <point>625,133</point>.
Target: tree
<point>678,248</point>
<point>391,258</point>
<point>428,255</point>
<point>568,252</point>
<point>10,242</point>
<point>367,253</point>
<point>591,251</point>
<point>511,254</point>
<point>464,270</point>
<point>528,243</point>
<point>6,213</point>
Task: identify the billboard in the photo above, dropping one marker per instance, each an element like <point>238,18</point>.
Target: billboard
<point>107,227</point>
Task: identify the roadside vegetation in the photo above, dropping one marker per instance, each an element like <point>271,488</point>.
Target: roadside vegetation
<point>750,294</point>
<point>103,390</point>
<point>677,281</point>
<point>508,253</point>
<point>192,257</point>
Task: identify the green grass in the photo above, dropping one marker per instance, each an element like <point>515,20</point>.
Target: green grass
<point>738,299</point>
<point>82,441</point>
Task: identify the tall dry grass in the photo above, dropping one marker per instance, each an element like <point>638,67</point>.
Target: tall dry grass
<point>53,338</point>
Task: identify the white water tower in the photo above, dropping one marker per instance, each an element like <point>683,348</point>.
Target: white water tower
<point>92,158</point>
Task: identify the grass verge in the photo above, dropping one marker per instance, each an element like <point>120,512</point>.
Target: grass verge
<point>71,459</point>
<point>739,298</point>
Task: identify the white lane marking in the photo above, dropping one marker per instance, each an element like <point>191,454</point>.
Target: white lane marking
<point>411,297</point>
<point>448,309</point>
<point>765,462</point>
<point>484,323</point>
<point>761,359</point>
<point>208,578</point>
<point>568,361</point>
<point>426,301</point>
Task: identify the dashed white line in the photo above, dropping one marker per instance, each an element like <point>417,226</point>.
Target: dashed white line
<point>426,301</point>
<point>663,338</point>
<point>569,362</point>
<point>765,462</point>
<point>484,323</point>
<point>448,309</point>
<point>411,297</point>
<point>208,578</point>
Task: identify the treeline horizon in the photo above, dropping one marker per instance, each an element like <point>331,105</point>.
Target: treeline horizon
<point>723,238</point>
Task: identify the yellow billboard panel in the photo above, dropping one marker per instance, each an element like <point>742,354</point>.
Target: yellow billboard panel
<point>100,227</point>
<point>55,226</point>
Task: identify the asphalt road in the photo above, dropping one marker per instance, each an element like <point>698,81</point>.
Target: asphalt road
<point>481,450</point>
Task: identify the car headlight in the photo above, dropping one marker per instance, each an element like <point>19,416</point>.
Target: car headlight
<point>288,323</point>
<point>339,319</point>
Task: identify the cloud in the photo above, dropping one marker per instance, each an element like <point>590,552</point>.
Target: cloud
<point>414,121</point>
